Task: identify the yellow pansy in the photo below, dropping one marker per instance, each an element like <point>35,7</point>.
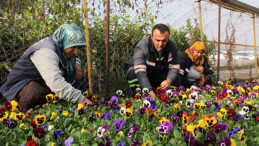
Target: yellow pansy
<point>23,126</point>
<point>65,113</point>
<point>79,106</point>
<point>82,130</point>
<point>49,97</point>
<point>40,119</point>
<point>14,105</point>
<point>85,93</point>
<point>128,112</point>
<point>53,115</point>
<point>147,143</point>
<point>163,119</point>
<point>3,114</point>
<point>121,133</point>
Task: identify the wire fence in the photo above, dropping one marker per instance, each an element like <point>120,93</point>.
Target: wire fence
<point>24,22</point>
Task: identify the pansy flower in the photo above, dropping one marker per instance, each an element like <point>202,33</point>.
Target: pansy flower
<point>138,96</point>
<point>174,118</point>
<point>145,90</point>
<point>192,129</point>
<point>102,130</point>
<point>53,115</point>
<point>225,142</point>
<point>211,138</point>
<point>162,120</point>
<point>69,141</point>
<point>189,139</point>
<point>57,133</point>
<point>164,128</point>
<point>194,96</point>
<point>136,142</point>
<point>128,112</point>
<point>231,113</point>
<point>14,105</point>
<point>122,110</point>
<point>94,97</point>
<point>49,97</point>
<point>186,118</point>
<point>98,114</point>
<point>128,104</point>
<point>121,93</point>
<point>65,113</point>
<point>149,142</point>
<point>146,104</point>
<point>31,143</point>
<point>231,134</point>
<point>133,129</point>
<point>203,106</point>
<point>85,93</point>
<point>220,127</point>
<point>3,114</point>
<point>197,106</point>
<point>209,120</point>
<point>169,93</point>
<point>24,126</point>
<point>40,119</point>
<point>142,111</point>
<point>8,105</point>
<point>245,109</point>
<point>11,124</point>
<point>189,102</point>
<point>114,99</point>
<point>222,113</point>
<point>39,133</point>
<point>118,124</point>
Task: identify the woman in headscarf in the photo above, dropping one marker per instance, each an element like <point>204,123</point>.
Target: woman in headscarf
<point>48,66</point>
<point>194,67</point>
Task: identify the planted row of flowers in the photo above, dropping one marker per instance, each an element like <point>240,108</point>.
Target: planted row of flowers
<point>226,114</point>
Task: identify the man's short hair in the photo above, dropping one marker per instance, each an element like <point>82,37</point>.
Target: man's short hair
<point>161,27</point>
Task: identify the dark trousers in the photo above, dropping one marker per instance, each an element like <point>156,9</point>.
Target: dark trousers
<point>34,93</point>
<point>155,80</point>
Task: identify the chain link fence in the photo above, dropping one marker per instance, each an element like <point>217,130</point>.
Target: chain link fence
<point>24,22</point>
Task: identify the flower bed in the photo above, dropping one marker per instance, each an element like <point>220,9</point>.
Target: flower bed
<point>224,114</point>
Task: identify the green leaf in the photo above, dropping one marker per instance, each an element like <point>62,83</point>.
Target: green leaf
<point>177,134</point>
<point>146,137</point>
<point>172,141</point>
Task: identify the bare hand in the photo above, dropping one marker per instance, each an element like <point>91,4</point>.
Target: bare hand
<point>78,74</point>
<point>86,102</point>
<point>200,69</point>
<point>152,94</point>
<point>165,84</point>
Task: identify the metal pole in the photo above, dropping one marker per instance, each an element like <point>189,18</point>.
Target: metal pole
<point>201,30</point>
<point>219,41</point>
<point>107,48</point>
<point>255,47</point>
<point>88,53</point>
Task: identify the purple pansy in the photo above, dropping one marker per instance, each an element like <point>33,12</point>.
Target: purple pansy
<point>165,127</point>
<point>118,124</point>
<point>225,142</point>
<point>174,118</point>
<point>189,139</point>
<point>220,127</point>
<point>10,123</point>
<point>114,99</point>
<point>142,111</point>
<point>56,134</point>
<point>102,130</point>
<point>69,141</point>
<point>121,144</point>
